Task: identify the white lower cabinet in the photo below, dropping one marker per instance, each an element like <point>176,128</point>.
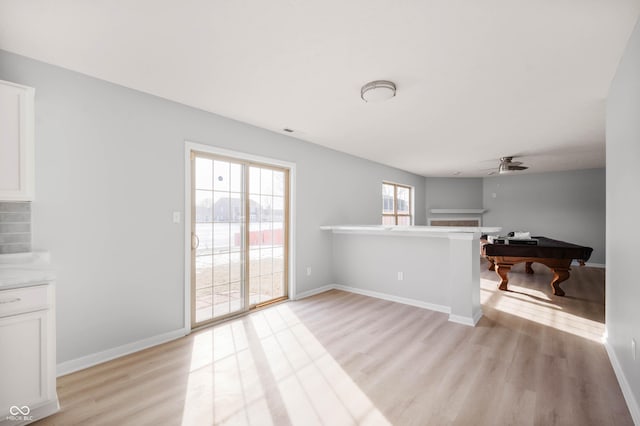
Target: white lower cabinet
<point>27,354</point>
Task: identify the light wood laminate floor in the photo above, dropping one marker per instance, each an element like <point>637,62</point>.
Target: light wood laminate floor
<point>340,358</point>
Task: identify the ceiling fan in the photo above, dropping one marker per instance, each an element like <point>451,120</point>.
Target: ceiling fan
<point>507,165</point>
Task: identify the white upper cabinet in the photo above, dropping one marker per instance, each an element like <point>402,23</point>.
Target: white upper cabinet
<point>16,142</point>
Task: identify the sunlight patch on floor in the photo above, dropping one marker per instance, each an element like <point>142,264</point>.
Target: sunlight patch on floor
<point>268,368</point>
<point>538,307</point>
<point>217,387</point>
<point>489,287</point>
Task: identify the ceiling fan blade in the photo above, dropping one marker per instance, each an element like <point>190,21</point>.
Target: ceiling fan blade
<point>512,167</point>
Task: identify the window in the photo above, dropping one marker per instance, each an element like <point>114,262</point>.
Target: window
<point>396,204</point>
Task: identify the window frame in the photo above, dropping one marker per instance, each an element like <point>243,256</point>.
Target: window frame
<point>395,213</point>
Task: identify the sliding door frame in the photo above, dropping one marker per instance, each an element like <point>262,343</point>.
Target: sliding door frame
<point>192,147</point>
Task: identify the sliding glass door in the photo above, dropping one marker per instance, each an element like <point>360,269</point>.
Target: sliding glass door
<point>267,234</point>
<point>239,234</point>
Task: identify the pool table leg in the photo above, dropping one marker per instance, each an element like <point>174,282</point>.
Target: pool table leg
<point>502,270</point>
<point>492,265</point>
<point>560,274</point>
<point>528,268</point>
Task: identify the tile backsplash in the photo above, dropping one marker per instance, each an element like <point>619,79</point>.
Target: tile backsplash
<point>15,226</point>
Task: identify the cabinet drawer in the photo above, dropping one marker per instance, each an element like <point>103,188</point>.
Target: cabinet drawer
<point>23,299</point>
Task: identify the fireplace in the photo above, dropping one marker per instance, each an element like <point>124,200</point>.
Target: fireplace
<point>456,217</point>
<point>468,221</point>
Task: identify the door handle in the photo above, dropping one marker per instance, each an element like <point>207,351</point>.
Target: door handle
<point>195,238</point>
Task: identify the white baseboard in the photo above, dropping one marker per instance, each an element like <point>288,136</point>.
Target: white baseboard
<point>634,409</point>
<point>477,316</point>
<point>109,354</point>
<point>461,320</point>
<point>392,298</point>
<point>314,291</point>
<point>470,321</point>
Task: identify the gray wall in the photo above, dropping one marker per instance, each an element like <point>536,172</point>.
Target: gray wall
<point>368,262</point>
<point>623,203</point>
<point>109,174</point>
<point>456,193</point>
<point>440,272</point>
<point>568,206</point>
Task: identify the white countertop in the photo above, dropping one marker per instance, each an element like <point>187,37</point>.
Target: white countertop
<point>432,231</point>
<point>25,269</point>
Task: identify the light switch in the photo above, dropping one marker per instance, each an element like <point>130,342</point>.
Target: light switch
<point>176,217</point>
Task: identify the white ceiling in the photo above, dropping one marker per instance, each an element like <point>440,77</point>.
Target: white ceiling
<point>477,79</point>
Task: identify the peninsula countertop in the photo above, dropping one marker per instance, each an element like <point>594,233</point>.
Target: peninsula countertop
<point>425,231</point>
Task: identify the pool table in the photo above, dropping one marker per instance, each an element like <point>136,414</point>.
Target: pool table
<point>557,255</point>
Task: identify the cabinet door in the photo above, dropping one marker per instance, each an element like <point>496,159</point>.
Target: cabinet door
<point>16,142</point>
<point>23,354</point>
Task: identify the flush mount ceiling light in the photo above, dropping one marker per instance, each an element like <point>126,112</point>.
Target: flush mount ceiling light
<point>378,90</point>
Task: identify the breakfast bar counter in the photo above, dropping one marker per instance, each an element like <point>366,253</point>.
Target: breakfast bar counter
<point>432,267</point>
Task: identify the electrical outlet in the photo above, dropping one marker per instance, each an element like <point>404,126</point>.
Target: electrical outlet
<point>400,276</point>
<point>308,271</point>
<point>633,349</point>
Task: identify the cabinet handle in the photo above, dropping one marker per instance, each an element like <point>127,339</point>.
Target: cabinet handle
<point>14,300</point>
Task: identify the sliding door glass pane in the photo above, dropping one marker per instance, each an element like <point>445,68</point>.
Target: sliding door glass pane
<point>268,235</point>
<point>204,288</point>
<point>204,239</point>
<point>221,176</point>
<point>204,173</point>
<point>266,182</point>
<point>219,211</point>
<point>278,283</point>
